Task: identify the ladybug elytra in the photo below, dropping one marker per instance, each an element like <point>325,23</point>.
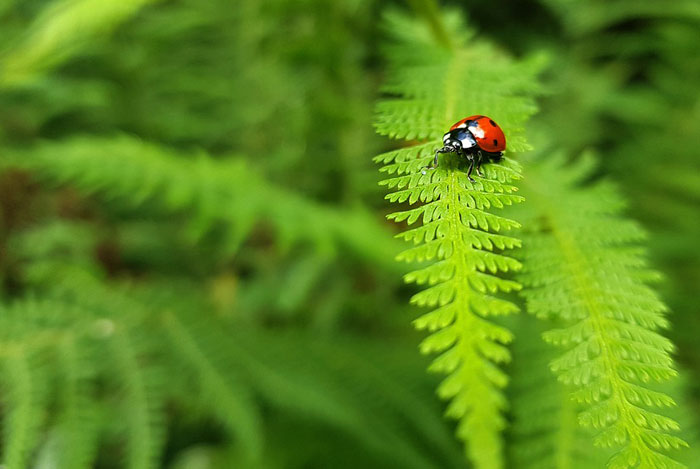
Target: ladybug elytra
<point>477,138</point>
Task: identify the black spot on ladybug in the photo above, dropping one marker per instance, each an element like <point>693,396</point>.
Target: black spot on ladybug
<point>492,123</point>
<point>495,142</point>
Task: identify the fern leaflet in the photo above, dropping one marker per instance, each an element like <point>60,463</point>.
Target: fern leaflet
<point>435,87</point>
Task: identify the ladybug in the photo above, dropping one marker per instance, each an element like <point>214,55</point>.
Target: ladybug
<point>477,138</point>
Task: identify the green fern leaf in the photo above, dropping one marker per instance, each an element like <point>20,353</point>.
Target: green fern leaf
<point>225,192</point>
<point>24,386</point>
<point>62,29</point>
<point>459,233</point>
<point>77,422</point>
<point>321,379</point>
<point>545,433</point>
<point>141,399</point>
<point>233,399</point>
<point>585,270</point>
<point>39,349</point>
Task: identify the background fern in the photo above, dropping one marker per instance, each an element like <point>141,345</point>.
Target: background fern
<point>545,430</point>
<point>212,194</point>
<point>196,271</point>
<point>609,317</point>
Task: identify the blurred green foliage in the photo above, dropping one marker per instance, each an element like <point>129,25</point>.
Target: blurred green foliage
<point>196,267</point>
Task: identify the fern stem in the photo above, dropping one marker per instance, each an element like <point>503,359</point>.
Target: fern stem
<point>566,432</point>
<point>488,453</point>
<point>429,11</point>
<point>452,85</point>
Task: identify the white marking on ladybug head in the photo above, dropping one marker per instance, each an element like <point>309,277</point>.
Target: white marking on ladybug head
<point>462,126</point>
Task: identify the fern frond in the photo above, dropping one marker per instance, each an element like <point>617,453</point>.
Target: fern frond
<point>76,429</point>
<point>340,382</point>
<point>321,379</point>
<point>592,17</point>
<point>24,401</point>
<point>465,241</point>
<point>134,376</point>
<point>584,269</point>
<point>63,332</point>
<point>29,334</point>
<point>545,433</point>
<point>141,401</point>
<point>226,193</point>
<point>59,31</point>
<point>233,399</point>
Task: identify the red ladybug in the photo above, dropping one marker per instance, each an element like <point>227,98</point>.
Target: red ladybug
<point>477,138</point>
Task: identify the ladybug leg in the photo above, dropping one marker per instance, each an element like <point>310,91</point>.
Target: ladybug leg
<point>478,164</point>
<point>435,160</point>
<point>471,168</point>
<point>469,156</point>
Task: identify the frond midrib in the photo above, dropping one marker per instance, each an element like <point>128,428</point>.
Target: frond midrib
<point>566,433</point>
<point>464,316</point>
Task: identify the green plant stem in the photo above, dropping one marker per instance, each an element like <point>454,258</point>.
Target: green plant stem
<point>567,429</point>
<point>429,11</point>
<point>488,451</point>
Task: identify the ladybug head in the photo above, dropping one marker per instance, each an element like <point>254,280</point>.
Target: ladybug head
<point>450,143</point>
<point>458,139</point>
